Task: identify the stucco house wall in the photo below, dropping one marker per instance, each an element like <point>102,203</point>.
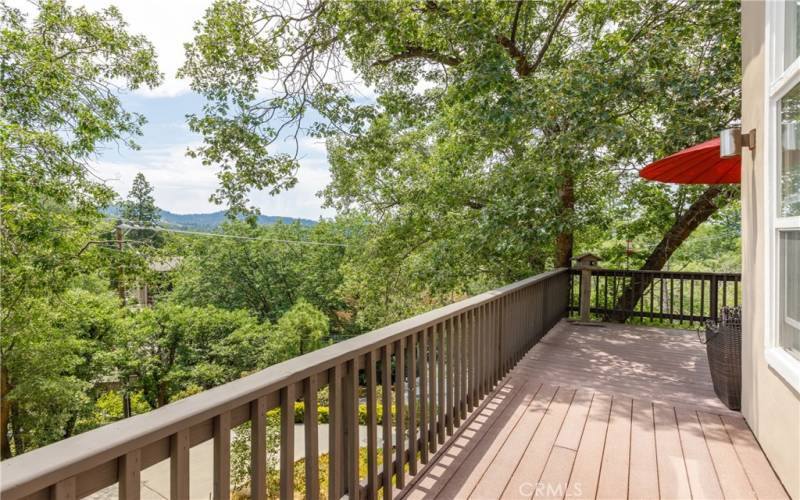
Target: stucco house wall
<point>770,405</point>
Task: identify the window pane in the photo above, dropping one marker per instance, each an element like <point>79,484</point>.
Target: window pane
<point>790,291</point>
<point>791,32</point>
<point>789,168</point>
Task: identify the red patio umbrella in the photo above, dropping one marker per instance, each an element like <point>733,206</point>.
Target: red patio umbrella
<point>699,164</point>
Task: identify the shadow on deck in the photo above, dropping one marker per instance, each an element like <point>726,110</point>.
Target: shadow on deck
<point>603,412</point>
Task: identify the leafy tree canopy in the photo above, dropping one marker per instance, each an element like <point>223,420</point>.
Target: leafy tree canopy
<point>498,127</point>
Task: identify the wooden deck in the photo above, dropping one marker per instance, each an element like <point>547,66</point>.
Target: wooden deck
<point>603,412</point>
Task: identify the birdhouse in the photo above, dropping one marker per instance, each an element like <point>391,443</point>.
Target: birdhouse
<point>587,260</point>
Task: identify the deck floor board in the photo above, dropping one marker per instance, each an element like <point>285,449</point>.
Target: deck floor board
<point>603,412</point>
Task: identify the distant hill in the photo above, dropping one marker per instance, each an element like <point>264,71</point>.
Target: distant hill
<point>210,221</point>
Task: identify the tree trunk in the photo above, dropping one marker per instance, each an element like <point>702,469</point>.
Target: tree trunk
<point>5,413</point>
<point>705,206</point>
<point>564,239</point>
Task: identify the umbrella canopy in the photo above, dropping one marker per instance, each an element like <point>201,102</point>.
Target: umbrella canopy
<point>699,164</point>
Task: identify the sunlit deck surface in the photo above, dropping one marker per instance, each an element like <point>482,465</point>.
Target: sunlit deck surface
<point>604,412</point>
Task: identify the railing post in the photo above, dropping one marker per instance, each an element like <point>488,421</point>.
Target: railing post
<point>503,308</point>
<point>586,263</point>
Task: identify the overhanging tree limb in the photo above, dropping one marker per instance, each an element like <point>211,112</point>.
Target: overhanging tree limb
<point>712,199</point>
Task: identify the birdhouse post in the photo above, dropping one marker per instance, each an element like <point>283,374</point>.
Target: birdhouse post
<point>586,263</point>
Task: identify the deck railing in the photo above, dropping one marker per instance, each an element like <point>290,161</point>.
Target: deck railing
<point>657,296</point>
<point>437,367</point>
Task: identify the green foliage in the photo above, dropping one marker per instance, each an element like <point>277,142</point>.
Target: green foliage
<point>108,408</point>
<point>267,275</point>
<point>301,329</point>
<point>166,349</point>
<point>58,104</point>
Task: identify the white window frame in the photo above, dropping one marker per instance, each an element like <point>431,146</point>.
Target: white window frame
<point>778,82</point>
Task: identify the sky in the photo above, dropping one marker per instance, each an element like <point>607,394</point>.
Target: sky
<point>182,184</point>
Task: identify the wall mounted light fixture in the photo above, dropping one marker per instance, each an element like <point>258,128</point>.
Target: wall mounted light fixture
<point>731,141</point>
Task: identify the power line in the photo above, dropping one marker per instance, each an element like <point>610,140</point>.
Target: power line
<point>232,236</point>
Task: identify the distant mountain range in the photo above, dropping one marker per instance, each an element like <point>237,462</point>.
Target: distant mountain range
<point>210,221</point>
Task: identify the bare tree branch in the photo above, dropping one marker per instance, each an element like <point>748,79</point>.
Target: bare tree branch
<point>547,41</point>
<point>515,22</point>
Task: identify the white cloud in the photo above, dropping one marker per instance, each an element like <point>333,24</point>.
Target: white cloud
<point>183,185</point>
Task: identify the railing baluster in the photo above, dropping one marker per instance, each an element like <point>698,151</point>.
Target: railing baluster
<point>336,455</point>
<point>423,397</point>
<point>714,289</point>
<point>481,331</point>
<point>65,489</point>
<point>413,436</point>
<point>372,434</point>
<point>287,442</point>
<point>498,344</point>
<point>400,413</point>
<point>652,293</point>
<point>450,377</point>
<point>596,280</point>
<point>351,428</point>
<point>386,420</point>
<point>702,298</point>
<point>311,429</point>
<point>222,456</point>
<point>470,334</point>
<point>432,409</point>
<point>441,378</point>
<point>641,286</point>
<point>724,291</point>
<point>671,298</point>
<point>258,448</point>
<point>691,301</point>
<point>129,473</point>
<point>461,352</point>
<point>179,465</point>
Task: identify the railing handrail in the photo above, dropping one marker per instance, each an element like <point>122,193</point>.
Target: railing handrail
<point>28,473</point>
<point>698,298</point>
<point>677,274</point>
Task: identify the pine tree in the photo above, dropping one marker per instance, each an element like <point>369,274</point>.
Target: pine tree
<point>140,206</point>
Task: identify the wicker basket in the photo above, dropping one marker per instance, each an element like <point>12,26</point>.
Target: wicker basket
<point>724,349</point>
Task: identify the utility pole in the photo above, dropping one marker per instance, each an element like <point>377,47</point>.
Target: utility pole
<point>120,284</point>
<point>126,397</point>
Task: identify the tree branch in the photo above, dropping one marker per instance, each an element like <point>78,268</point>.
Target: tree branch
<point>523,66</point>
<point>547,41</point>
<point>515,22</point>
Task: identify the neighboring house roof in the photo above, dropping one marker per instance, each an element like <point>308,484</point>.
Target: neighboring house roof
<point>165,265</point>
